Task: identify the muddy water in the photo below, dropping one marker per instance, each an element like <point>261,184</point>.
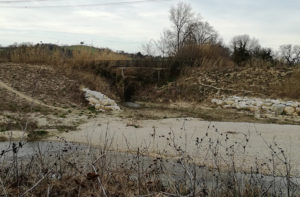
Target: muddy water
<point>166,136</point>
<point>25,149</point>
<point>172,169</point>
<point>132,105</point>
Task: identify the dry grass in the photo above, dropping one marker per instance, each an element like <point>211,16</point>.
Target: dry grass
<point>56,55</point>
<point>206,56</point>
<point>211,64</point>
<point>50,86</point>
<point>18,122</point>
<point>91,80</point>
<point>77,62</point>
<point>78,170</point>
<point>195,84</point>
<point>290,88</point>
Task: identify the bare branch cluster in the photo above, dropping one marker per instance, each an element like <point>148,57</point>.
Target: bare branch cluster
<point>290,54</point>
<point>188,28</point>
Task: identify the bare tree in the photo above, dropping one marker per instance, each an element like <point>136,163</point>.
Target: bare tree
<point>150,48</point>
<point>199,32</point>
<point>290,54</point>
<point>166,44</point>
<point>181,16</point>
<point>187,29</point>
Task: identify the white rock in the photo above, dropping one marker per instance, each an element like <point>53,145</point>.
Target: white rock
<point>266,107</point>
<point>242,105</point>
<point>292,104</point>
<point>227,106</point>
<point>278,108</point>
<point>289,110</point>
<point>253,108</point>
<point>214,100</point>
<point>269,116</point>
<point>92,101</point>
<point>100,101</point>
<point>275,101</point>
<point>236,98</point>
<point>217,101</point>
<point>257,115</point>
<point>229,102</point>
<point>98,107</point>
<point>267,104</point>
<point>273,107</point>
<point>258,103</point>
<point>298,110</point>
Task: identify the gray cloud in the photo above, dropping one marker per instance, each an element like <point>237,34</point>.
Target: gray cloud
<point>126,27</point>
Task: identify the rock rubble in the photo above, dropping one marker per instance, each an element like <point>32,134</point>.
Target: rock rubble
<point>258,106</point>
<point>100,101</point>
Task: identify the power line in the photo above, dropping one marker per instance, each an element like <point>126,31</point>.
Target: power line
<point>84,5</point>
<point>24,1</point>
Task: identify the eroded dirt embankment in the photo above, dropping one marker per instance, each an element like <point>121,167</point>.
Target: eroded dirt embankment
<point>37,99</point>
<point>42,83</point>
<point>28,98</point>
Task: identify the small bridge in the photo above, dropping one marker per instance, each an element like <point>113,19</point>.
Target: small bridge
<point>130,75</point>
<point>135,68</point>
<point>132,71</point>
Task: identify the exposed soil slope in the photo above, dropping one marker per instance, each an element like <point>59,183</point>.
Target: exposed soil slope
<point>28,98</point>
<point>38,96</point>
<point>41,83</point>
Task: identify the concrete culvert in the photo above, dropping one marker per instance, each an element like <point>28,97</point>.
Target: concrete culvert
<point>129,91</point>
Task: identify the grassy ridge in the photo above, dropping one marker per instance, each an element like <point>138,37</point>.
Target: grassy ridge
<point>74,61</point>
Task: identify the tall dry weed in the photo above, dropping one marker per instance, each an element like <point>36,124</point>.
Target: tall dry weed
<point>206,55</point>
<point>290,88</point>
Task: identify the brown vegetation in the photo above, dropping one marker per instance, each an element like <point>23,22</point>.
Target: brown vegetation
<point>76,62</point>
<point>189,75</point>
<point>80,170</point>
<point>206,56</point>
<point>41,82</point>
<point>199,84</point>
<point>290,88</point>
<point>198,68</point>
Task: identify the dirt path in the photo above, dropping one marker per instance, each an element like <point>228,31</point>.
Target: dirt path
<point>157,135</point>
<point>28,98</point>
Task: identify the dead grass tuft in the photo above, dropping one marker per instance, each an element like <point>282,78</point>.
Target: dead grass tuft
<point>290,88</point>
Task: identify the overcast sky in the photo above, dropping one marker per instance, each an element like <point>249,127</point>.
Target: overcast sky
<point>127,26</point>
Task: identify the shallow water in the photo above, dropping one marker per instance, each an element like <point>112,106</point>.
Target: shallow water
<point>155,136</point>
<point>132,105</point>
<point>172,168</point>
<point>38,147</point>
